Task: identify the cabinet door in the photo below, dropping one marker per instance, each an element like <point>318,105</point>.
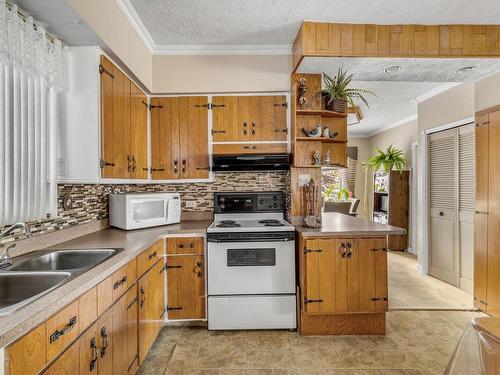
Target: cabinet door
<point>165,138</point>
<point>27,356</point>
<point>105,343</point>
<point>144,337</point>
<point>132,306</point>
<point>493,276</point>
<point>381,277</point>
<point>367,277</point>
<point>89,351</point>
<point>138,133</point>
<point>115,121</point>
<point>186,287</point>
<point>194,137</point>
<point>225,124</point>
<point>68,363</point>
<point>119,314</point>
<point>340,272</point>
<point>244,119</point>
<point>158,298</point>
<point>481,210</point>
<point>272,118</point>
<point>352,256</point>
<point>319,288</point>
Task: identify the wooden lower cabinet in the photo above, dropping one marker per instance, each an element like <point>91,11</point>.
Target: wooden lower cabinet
<point>68,363</point>
<point>132,316</point>
<point>186,287</point>
<point>151,292</point>
<point>340,280</point>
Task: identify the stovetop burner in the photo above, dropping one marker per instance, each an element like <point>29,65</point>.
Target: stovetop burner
<point>271,223</point>
<point>228,224</point>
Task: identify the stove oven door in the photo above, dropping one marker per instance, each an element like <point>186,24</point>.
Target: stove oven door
<point>239,268</point>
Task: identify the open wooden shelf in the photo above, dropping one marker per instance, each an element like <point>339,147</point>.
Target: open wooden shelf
<point>320,112</point>
<point>319,139</point>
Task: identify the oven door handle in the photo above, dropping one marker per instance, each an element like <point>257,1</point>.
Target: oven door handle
<point>233,240</point>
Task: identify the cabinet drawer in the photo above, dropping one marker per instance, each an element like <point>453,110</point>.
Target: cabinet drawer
<point>62,330</point>
<point>149,257</point>
<point>27,355</point>
<point>123,279</point>
<point>249,148</point>
<point>185,245</point>
<point>104,295</point>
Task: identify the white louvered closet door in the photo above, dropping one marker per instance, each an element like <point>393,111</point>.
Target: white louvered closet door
<point>443,183</point>
<point>466,194</point>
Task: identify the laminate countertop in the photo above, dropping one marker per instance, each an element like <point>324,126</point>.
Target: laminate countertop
<point>336,224</point>
<point>133,242</point>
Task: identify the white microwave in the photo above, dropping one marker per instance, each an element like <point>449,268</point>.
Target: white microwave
<point>143,210</point>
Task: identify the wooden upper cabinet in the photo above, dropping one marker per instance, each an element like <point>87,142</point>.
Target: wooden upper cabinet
<point>138,133</point>
<point>225,125</point>
<point>179,137</point>
<point>194,137</point>
<point>481,209</point>
<point>123,125</point>
<point>249,118</point>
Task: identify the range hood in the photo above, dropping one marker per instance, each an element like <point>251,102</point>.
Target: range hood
<point>253,162</point>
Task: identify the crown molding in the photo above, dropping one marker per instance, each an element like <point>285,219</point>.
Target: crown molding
<point>134,19</point>
<point>216,49</point>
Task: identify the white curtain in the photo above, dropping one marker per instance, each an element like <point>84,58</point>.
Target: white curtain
<point>30,77</point>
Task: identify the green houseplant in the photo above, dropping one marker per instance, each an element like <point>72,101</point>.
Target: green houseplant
<point>338,94</point>
<point>390,159</point>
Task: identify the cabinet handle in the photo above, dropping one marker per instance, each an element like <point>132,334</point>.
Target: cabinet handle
<point>151,256</point>
<point>218,131</point>
<point>129,163</point>
<point>134,163</point>
<point>95,355</point>
<point>349,252</point>
<point>175,166</point>
<point>120,282</point>
<point>312,251</point>
<point>197,269</point>
<point>379,299</point>
<point>250,147</point>
<point>441,213</point>
<point>253,128</point>
<point>203,168</point>
<point>170,267</point>
<point>134,301</point>
<point>103,164</point>
<point>173,308</point>
<point>183,166</point>
<point>245,128</point>
<point>102,69</point>
<point>58,333</point>
<point>143,296</point>
<point>342,246</point>
<point>104,336</point>
<point>306,301</point>
<point>155,169</point>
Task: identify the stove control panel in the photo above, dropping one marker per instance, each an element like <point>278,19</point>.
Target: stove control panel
<point>248,202</point>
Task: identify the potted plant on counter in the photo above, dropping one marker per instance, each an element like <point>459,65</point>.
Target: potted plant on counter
<point>337,92</point>
<point>390,159</point>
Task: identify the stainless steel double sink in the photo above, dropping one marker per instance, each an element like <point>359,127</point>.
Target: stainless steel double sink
<point>34,275</point>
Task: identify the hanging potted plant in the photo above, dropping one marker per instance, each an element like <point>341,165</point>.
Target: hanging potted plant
<point>391,159</point>
<point>338,94</point>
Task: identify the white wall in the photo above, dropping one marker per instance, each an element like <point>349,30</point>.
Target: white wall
<point>211,74</point>
<point>487,92</point>
<point>363,153</point>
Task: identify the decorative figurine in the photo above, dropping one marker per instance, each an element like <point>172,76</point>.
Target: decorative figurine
<point>333,134</point>
<point>316,158</point>
<point>301,93</point>
<point>326,132</point>
<point>327,159</point>
<point>316,132</point>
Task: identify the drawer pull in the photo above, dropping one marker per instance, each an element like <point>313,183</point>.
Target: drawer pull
<point>379,249</point>
<point>306,301</point>
<point>169,267</point>
<point>151,256</point>
<point>120,282</point>
<point>58,333</point>
<point>379,299</point>
<point>218,131</point>
<point>93,347</point>
<point>173,308</point>
<point>143,296</point>
<point>250,147</point>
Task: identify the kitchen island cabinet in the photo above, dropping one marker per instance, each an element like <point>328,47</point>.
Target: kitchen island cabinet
<point>343,276</point>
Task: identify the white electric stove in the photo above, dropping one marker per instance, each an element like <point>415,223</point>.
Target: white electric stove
<point>251,263</point>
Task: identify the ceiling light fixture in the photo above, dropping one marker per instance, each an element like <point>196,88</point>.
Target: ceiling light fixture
<point>465,69</point>
<point>392,69</point>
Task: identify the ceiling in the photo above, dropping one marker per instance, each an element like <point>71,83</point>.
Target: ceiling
<point>276,22</point>
<point>397,92</point>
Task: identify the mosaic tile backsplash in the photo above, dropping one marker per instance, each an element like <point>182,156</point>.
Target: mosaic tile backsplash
<point>90,202</point>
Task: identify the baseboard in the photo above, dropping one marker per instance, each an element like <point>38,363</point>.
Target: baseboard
<point>410,250</point>
<point>420,269</point>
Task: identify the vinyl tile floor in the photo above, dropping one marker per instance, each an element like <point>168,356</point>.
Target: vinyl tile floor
<point>417,343</point>
<point>409,289</point>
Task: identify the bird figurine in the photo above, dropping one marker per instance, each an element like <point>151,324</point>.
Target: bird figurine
<point>333,134</point>
<point>316,132</point>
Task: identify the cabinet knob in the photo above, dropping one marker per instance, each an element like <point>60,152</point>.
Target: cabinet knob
<point>441,213</point>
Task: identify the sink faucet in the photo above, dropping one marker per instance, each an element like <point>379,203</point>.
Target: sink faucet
<point>5,259</point>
